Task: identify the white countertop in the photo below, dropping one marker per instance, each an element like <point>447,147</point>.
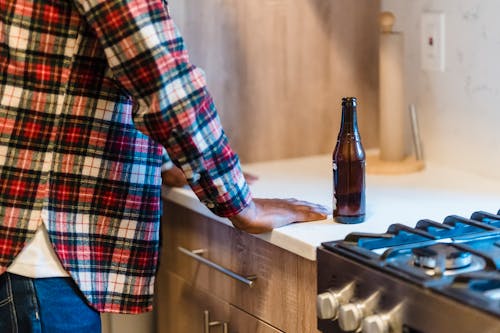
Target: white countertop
<point>433,193</point>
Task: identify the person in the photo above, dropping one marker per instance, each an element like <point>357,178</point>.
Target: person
<point>90,93</point>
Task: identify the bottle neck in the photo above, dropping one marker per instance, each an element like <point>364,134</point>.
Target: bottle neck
<point>349,122</point>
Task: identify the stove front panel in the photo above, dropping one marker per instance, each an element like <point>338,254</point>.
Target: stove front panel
<point>388,304</point>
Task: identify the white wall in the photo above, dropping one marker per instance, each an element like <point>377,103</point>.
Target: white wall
<point>459,108</point>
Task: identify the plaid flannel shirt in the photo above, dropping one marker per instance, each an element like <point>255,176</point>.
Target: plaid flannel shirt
<point>90,91</point>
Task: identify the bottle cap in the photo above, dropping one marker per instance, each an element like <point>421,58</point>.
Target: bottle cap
<point>350,100</point>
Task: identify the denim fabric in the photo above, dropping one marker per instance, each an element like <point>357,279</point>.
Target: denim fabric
<point>48,305</point>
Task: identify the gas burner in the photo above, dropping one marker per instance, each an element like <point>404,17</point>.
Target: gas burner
<point>432,264</point>
<point>420,276</point>
<point>441,257</point>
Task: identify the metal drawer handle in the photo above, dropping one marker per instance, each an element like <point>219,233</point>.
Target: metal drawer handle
<point>197,255</point>
<point>207,324</point>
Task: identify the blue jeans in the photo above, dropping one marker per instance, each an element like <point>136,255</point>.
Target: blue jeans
<point>48,305</point>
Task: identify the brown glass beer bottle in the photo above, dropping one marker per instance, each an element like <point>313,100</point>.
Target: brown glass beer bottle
<point>349,168</point>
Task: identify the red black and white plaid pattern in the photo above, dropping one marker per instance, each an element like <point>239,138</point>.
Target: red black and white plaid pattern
<point>89,90</point>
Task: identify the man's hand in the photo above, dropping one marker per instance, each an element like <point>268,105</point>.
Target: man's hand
<point>263,215</point>
<point>173,177</point>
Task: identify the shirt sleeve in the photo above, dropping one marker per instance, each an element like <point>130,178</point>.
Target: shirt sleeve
<point>148,57</point>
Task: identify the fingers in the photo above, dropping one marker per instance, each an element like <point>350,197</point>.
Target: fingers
<point>306,211</point>
<point>313,209</point>
<point>250,178</point>
<point>292,210</point>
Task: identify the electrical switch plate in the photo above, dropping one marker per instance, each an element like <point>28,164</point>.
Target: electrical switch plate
<point>433,41</point>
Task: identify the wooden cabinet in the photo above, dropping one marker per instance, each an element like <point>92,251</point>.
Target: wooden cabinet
<point>282,298</point>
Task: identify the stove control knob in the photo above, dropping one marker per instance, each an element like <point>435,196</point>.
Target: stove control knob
<point>389,322</point>
<point>351,315</point>
<point>328,303</point>
<point>376,324</point>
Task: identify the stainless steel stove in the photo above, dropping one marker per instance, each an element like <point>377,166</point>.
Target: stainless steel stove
<point>433,278</point>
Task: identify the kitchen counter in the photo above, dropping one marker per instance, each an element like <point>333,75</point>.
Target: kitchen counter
<point>433,193</point>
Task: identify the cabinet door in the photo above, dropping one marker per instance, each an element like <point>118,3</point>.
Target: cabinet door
<point>242,322</point>
<point>181,307</point>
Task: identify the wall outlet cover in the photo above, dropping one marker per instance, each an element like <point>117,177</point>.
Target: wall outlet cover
<point>433,41</point>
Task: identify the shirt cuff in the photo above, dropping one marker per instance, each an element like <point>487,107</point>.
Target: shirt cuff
<point>228,195</point>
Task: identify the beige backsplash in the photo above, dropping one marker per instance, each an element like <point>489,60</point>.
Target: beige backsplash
<point>278,69</point>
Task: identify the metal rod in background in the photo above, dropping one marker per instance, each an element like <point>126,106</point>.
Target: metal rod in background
<point>416,133</point>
